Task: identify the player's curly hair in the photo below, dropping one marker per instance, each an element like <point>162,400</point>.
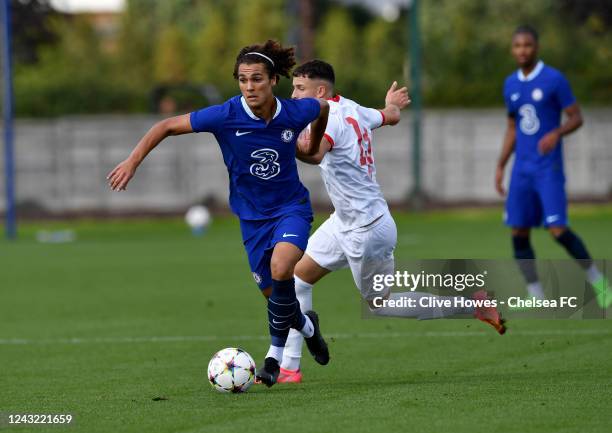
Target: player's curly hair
<point>277,59</point>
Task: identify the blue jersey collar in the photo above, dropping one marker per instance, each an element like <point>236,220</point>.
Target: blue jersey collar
<point>536,71</point>
<point>246,108</point>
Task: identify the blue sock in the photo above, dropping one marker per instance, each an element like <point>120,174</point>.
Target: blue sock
<point>283,311</point>
<point>524,255</point>
<point>575,247</point>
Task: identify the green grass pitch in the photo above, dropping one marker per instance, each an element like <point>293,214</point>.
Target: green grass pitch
<point>133,310</point>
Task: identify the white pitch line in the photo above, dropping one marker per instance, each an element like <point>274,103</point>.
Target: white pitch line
<point>359,335</point>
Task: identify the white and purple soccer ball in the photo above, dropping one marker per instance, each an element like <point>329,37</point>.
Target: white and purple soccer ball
<point>231,370</point>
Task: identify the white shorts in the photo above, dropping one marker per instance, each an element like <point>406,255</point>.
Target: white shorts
<point>367,251</point>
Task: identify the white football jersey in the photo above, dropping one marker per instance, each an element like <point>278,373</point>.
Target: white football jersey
<point>348,169</point>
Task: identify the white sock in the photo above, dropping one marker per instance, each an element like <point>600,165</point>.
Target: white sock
<point>293,347</point>
<point>593,274</point>
<point>419,312</point>
<point>293,351</point>
<point>275,352</point>
<point>308,330</point>
<point>535,290</point>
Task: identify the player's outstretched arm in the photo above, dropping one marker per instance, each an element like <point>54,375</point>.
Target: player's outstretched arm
<point>506,152</point>
<point>119,177</point>
<point>573,122</point>
<point>396,100</point>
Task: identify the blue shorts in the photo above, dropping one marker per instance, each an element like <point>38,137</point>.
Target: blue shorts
<point>260,237</point>
<point>536,199</point>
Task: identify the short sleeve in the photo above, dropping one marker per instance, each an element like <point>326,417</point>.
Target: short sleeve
<point>207,119</point>
<point>371,117</point>
<point>333,129</point>
<point>308,109</point>
<point>564,94</point>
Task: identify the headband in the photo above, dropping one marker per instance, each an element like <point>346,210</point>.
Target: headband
<point>262,55</point>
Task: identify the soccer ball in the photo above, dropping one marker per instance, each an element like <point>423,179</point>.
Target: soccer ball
<point>198,219</point>
<point>231,370</point>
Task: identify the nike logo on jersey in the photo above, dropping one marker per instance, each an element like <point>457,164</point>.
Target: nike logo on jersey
<point>238,133</point>
<point>552,218</point>
<point>276,322</point>
<point>288,235</point>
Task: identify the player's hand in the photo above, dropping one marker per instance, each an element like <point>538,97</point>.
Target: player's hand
<point>121,175</point>
<point>499,181</point>
<point>303,141</point>
<point>548,142</point>
<point>397,97</point>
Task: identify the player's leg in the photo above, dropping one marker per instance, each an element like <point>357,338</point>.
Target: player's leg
<point>554,199</point>
<point>257,236</point>
<point>523,211</point>
<point>323,255</point>
<point>307,272</point>
<point>370,254</point>
<point>525,259</point>
<point>283,309</point>
<point>289,241</point>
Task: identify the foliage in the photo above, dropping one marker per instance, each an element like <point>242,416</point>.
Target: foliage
<point>193,43</point>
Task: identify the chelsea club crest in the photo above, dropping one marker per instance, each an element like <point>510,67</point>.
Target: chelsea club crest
<point>287,135</point>
<point>257,277</point>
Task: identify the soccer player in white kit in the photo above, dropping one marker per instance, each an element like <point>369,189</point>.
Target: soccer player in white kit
<point>361,233</point>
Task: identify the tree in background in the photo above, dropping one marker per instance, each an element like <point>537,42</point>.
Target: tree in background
<point>32,18</point>
<point>337,42</point>
<point>172,56</point>
<point>383,58</point>
<point>467,49</point>
<point>191,44</point>
<point>71,76</point>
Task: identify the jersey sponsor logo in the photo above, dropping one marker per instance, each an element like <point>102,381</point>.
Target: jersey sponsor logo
<point>515,96</point>
<point>238,133</point>
<point>257,277</point>
<point>290,235</point>
<point>276,322</point>
<point>537,94</point>
<point>287,135</point>
<point>529,124</point>
<point>266,167</point>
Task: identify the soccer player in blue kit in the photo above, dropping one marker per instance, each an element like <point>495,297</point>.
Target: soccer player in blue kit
<point>536,95</point>
<point>257,133</point>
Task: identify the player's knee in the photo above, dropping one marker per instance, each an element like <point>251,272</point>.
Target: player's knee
<point>520,232</point>
<point>556,232</point>
<point>281,269</point>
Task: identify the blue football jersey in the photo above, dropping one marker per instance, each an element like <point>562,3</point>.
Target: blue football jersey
<point>536,102</point>
<point>260,157</point>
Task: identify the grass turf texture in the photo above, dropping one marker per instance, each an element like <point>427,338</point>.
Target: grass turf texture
<point>123,282</point>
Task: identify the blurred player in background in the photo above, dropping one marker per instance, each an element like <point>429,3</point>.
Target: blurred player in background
<point>361,233</point>
<point>257,133</point>
<point>536,95</point>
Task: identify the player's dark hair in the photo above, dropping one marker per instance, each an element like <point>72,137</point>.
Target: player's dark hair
<point>526,29</point>
<point>316,69</point>
<point>277,59</point>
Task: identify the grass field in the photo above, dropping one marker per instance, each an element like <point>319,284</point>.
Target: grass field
<point>133,310</point>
